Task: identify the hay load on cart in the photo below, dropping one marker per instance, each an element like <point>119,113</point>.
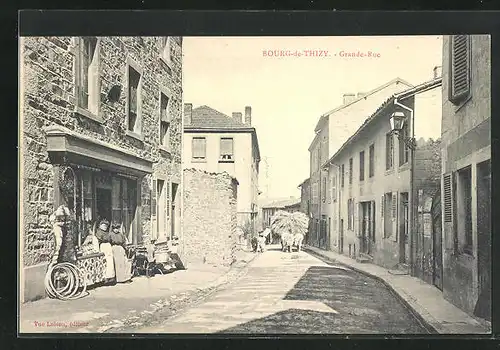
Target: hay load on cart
<point>291,227</point>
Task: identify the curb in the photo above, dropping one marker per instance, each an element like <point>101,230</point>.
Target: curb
<point>427,326</point>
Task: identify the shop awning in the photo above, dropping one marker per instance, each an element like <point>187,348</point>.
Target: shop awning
<point>65,145</point>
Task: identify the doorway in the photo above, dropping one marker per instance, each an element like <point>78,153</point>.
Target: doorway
<point>103,203</point>
<point>173,213</point>
<point>341,243</point>
<point>403,229</point>
<point>483,307</point>
<point>367,236</point>
<point>437,252</point>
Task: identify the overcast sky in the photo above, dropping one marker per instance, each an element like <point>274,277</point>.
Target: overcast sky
<point>289,94</point>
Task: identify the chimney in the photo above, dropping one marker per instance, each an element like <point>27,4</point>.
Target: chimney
<point>237,116</point>
<point>188,113</point>
<point>248,115</point>
<point>437,71</point>
<point>349,98</point>
<point>361,94</point>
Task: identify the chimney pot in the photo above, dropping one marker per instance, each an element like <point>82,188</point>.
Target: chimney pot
<point>237,116</point>
<point>349,98</point>
<point>248,115</point>
<point>188,113</point>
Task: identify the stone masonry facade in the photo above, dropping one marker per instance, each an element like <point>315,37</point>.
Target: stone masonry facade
<point>48,98</point>
<point>209,218</point>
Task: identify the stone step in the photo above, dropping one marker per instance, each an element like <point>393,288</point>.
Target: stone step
<point>364,258</point>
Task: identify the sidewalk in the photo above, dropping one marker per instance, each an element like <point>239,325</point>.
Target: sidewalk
<point>111,307</point>
<point>424,300</point>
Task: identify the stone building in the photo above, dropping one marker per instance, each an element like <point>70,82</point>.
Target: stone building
<point>101,127</point>
<point>217,143</point>
<point>210,218</point>
<point>332,130</point>
<point>305,194</point>
<point>466,169</point>
<point>369,201</point>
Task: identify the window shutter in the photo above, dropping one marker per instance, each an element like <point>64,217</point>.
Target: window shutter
<point>448,193</point>
<point>226,148</point>
<point>154,228</point>
<point>394,205</point>
<point>460,73</point>
<point>382,205</point>
<point>198,147</point>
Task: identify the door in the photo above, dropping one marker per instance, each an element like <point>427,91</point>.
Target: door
<point>403,231</point>
<point>103,203</point>
<point>366,228</point>
<point>174,214</point>
<point>437,245</point>
<point>341,243</point>
<point>483,307</point>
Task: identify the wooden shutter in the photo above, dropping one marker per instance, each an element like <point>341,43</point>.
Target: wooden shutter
<point>394,215</point>
<point>154,226</point>
<point>199,147</point>
<point>226,148</point>
<point>373,220</point>
<point>449,210</point>
<point>460,71</point>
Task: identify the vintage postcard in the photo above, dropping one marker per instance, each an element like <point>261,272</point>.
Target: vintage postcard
<point>255,185</point>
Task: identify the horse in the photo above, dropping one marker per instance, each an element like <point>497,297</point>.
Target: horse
<point>287,242</point>
<point>297,241</point>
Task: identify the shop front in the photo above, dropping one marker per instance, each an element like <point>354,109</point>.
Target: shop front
<point>96,181</point>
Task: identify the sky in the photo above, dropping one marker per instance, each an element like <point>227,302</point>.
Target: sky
<point>288,94</point>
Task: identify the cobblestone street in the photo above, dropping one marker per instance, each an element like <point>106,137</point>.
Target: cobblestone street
<point>295,293</point>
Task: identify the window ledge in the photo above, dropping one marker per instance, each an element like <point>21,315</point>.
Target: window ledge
<point>135,135</point>
<point>166,149</point>
<point>88,114</point>
<point>167,62</point>
<point>198,160</point>
<point>460,105</point>
<point>226,160</point>
<point>404,167</point>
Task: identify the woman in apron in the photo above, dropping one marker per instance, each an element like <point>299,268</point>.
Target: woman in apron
<point>102,234</point>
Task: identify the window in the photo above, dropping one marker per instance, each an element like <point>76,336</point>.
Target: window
<point>388,213</point>
<point>350,171</point>
<point>199,148</point>
<point>134,100</point>
<point>323,190</point>
<point>342,175</point>
<point>334,188</point>
<point>371,165</point>
<point>389,151</point>
<point>226,149</point>
<point>362,166</point>
<point>404,150</point>
<point>459,84</point>
<point>464,210</point>
<point>164,121</point>
<point>87,74</point>
<point>166,50</point>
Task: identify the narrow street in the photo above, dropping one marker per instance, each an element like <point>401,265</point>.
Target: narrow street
<point>295,293</point>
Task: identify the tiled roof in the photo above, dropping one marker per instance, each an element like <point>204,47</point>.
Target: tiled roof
<point>207,117</point>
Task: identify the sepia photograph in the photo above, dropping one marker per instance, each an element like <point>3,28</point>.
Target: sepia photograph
<point>256,185</point>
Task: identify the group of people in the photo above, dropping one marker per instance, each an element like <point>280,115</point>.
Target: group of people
<point>112,243</point>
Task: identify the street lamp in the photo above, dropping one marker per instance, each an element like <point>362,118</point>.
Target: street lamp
<point>398,120</point>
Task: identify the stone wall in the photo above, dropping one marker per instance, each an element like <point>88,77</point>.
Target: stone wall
<point>209,217</point>
<point>48,98</point>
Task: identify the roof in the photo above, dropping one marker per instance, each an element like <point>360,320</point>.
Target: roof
<point>400,95</point>
<point>282,203</point>
<point>325,116</point>
<point>207,117</point>
<point>303,182</point>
